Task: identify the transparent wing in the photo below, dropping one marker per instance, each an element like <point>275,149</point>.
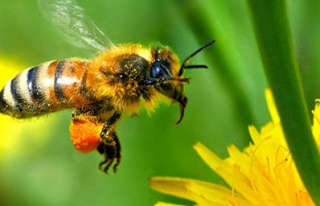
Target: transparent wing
<point>72,22</point>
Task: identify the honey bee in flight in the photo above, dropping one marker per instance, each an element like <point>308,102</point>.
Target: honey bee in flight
<point>100,89</point>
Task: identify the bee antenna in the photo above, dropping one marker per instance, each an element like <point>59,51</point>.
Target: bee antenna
<point>186,61</point>
<point>200,66</point>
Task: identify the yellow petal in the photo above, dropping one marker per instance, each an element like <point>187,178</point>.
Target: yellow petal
<point>165,204</point>
<point>214,195</point>
<point>272,106</point>
<point>211,159</point>
<point>316,122</point>
<point>178,186</point>
<point>228,171</point>
<point>172,186</point>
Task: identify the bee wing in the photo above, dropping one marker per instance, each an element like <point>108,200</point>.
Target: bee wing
<point>72,22</point>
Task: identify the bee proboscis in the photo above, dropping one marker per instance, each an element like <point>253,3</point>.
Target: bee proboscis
<point>100,89</point>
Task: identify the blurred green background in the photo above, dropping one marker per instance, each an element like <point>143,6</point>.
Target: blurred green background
<point>38,163</point>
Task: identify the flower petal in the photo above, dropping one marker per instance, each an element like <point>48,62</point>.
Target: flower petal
<point>272,106</point>
<point>165,204</point>
<point>316,122</point>
<point>179,186</point>
<point>215,195</point>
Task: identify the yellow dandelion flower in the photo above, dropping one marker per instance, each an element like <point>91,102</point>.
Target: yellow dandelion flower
<point>263,174</point>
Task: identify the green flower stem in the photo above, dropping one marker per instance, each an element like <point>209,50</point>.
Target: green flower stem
<point>275,43</point>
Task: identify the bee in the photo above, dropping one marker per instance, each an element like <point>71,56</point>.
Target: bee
<point>101,89</point>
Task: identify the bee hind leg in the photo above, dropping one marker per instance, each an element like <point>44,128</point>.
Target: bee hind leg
<point>110,145</point>
<point>110,148</point>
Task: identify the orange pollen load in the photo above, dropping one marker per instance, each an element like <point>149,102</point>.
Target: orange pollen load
<point>85,135</point>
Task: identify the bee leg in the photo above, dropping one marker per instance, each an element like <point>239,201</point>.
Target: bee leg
<point>111,151</point>
<point>110,145</point>
<point>118,153</point>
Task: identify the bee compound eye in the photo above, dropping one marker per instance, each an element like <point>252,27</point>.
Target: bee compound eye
<point>158,70</point>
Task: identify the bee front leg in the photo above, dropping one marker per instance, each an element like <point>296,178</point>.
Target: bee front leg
<point>110,145</point>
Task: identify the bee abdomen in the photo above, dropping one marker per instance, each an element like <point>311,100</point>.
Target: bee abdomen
<point>49,87</point>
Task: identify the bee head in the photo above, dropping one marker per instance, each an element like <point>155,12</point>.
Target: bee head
<point>166,76</point>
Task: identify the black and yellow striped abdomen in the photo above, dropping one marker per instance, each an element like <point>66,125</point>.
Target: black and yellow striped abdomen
<point>49,87</point>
